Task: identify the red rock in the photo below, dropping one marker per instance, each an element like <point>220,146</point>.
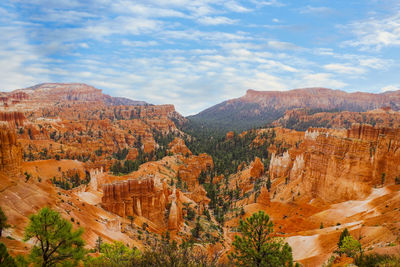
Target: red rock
<point>264,197</point>
<point>191,168</point>
<point>229,135</point>
<point>178,146</point>
<point>13,118</point>
<point>10,152</point>
<point>132,154</point>
<point>139,197</point>
<point>257,168</point>
<point>335,168</point>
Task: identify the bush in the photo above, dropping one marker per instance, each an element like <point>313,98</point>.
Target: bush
<point>377,260</point>
<point>350,246</point>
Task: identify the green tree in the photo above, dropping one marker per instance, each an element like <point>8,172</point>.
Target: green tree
<point>5,259</point>
<point>256,246</point>
<point>99,242</point>
<point>56,241</point>
<point>350,246</point>
<point>3,221</point>
<point>269,184</point>
<point>197,229</point>
<point>342,236</point>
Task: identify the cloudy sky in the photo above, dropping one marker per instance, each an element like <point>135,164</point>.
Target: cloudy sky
<point>196,53</point>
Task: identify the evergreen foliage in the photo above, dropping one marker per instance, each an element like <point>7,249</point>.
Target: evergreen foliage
<point>227,154</point>
<point>5,259</point>
<point>257,247</point>
<point>55,240</point>
<point>3,221</point>
<point>342,236</point>
<point>350,246</point>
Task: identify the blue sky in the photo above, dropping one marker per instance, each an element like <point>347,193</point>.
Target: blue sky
<point>195,54</point>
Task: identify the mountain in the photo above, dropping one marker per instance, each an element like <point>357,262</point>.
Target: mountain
<point>258,108</point>
<point>69,92</point>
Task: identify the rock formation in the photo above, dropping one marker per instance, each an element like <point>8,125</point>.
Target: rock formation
<point>96,175</point>
<point>139,197</point>
<point>257,168</point>
<point>175,217</point>
<point>302,119</point>
<point>335,168</point>
<point>264,197</point>
<point>178,146</point>
<point>10,152</point>
<point>191,168</point>
<point>13,118</point>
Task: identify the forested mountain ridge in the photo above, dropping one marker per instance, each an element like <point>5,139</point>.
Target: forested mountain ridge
<point>259,108</point>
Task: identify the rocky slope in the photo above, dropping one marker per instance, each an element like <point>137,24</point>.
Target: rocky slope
<point>78,121</point>
<point>335,168</point>
<point>302,119</point>
<point>333,179</point>
<point>258,108</point>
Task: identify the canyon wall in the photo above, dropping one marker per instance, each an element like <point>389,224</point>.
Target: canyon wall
<point>13,118</point>
<point>335,168</point>
<point>140,197</point>
<point>145,197</point>
<point>10,152</point>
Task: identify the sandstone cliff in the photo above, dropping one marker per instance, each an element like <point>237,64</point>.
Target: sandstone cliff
<point>302,119</point>
<point>334,168</point>
<point>135,198</point>
<point>146,197</point>
<point>10,152</point>
<point>13,118</point>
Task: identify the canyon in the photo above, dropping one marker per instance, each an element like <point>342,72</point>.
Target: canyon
<point>72,148</point>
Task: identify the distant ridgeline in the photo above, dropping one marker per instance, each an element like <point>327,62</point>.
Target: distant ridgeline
<point>261,108</point>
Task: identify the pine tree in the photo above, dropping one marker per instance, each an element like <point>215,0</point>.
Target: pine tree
<point>5,259</point>
<point>269,184</point>
<point>55,240</point>
<point>99,242</point>
<point>256,246</point>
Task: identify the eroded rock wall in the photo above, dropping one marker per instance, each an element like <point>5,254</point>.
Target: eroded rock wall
<point>10,152</point>
<point>139,197</point>
<point>334,168</point>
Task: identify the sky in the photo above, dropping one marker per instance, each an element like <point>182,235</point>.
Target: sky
<point>197,53</point>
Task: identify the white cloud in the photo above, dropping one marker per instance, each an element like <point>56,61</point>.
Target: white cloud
<point>345,69</point>
<point>320,80</point>
<point>139,43</point>
<point>216,20</point>
<point>316,10</point>
<point>260,3</point>
<point>390,88</point>
<point>283,45</point>
<point>375,33</point>
<point>235,7</point>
